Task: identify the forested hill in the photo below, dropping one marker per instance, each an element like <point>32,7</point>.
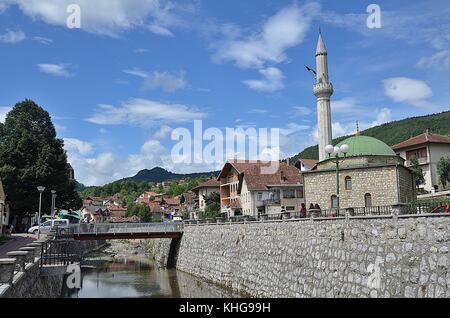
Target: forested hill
<point>394,132</point>
<point>161,175</point>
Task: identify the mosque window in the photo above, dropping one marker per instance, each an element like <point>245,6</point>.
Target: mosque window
<point>348,183</point>
<point>368,200</point>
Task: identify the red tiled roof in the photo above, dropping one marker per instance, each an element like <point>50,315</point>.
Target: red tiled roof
<point>211,183</point>
<point>256,180</point>
<point>309,162</point>
<point>423,139</point>
<point>172,201</point>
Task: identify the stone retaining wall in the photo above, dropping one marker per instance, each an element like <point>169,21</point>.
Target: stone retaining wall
<point>22,277</point>
<point>384,257</point>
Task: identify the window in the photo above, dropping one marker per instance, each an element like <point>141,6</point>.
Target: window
<point>300,193</point>
<point>368,200</point>
<point>348,183</point>
<point>290,208</point>
<point>260,196</point>
<point>288,194</point>
<point>334,202</point>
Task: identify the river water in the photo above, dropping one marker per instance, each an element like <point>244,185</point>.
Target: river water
<point>138,277</point>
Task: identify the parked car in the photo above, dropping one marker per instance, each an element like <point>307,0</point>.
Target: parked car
<point>47,226</point>
<point>442,209</point>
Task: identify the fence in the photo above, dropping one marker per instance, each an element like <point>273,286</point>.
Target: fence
<point>58,252</point>
<point>411,209</point>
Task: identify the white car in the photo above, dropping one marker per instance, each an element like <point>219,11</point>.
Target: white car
<point>47,226</point>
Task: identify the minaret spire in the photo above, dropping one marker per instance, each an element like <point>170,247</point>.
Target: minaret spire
<point>323,91</point>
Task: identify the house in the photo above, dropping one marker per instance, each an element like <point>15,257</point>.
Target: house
<point>306,164</point>
<point>146,197</point>
<point>189,202</point>
<point>204,190</point>
<point>370,175</point>
<point>5,210</point>
<point>428,148</point>
<point>246,190</point>
<point>118,211</point>
<point>95,214</point>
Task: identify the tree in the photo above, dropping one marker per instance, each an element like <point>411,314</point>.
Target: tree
<point>31,156</point>
<point>417,172</point>
<point>443,168</point>
<point>140,210</point>
<point>212,202</point>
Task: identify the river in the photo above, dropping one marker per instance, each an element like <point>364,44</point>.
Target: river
<point>131,274</point>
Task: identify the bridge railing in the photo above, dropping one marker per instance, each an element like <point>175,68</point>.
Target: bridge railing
<point>120,228</point>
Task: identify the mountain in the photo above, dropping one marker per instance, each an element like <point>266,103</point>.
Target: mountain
<point>394,132</point>
<point>161,175</point>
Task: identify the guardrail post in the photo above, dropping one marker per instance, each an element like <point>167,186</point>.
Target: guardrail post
<point>21,258</point>
<point>7,270</point>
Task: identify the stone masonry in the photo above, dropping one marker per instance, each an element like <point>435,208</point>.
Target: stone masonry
<point>384,257</point>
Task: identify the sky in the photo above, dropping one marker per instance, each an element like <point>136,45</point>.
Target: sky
<point>135,70</point>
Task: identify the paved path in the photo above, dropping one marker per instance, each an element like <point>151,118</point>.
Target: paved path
<point>18,241</point>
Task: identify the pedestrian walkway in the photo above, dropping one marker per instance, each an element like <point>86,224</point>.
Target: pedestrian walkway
<point>17,241</point>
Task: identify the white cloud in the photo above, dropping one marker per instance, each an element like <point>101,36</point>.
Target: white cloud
<point>107,17</point>
<point>383,117</point>
<point>136,71</point>
<point>166,81</point>
<point>74,145</point>
<point>284,30</point>
<point>258,111</point>
<point>143,112</point>
<point>293,128</point>
<point>302,111</point>
<point>348,105</point>
<point>272,81</point>
<point>408,90</point>
<point>56,69</point>
<point>159,30</point>
<point>11,36</point>
<point>440,61</point>
<point>3,112</point>
<point>163,132</point>
<point>43,40</point>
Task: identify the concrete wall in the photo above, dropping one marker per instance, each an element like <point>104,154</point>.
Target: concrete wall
<point>407,257</point>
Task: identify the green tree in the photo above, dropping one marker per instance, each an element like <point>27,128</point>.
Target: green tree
<point>443,168</point>
<point>31,156</point>
<point>417,172</point>
<point>212,202</point>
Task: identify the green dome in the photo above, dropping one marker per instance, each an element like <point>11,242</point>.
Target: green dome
<point>367,146</point>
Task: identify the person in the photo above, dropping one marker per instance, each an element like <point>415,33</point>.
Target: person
<point>317,207</point>
<point>303,211</point>
<point>311,206</point>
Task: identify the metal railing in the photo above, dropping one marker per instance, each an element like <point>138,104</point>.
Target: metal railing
<point>120,228</point>
<point>412,209</point>
<point>58,253</point>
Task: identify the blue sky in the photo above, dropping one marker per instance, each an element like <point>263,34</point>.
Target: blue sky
<point>139,68</point>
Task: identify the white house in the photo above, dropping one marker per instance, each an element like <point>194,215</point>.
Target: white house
<point>428,148</point>
<point>245,190</point>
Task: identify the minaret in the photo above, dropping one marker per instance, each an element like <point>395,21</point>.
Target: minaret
<point>323,91</point>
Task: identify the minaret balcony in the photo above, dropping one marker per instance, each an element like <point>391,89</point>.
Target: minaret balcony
<point>323,90</point>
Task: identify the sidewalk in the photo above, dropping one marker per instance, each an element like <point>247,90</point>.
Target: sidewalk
<point>17,241</point>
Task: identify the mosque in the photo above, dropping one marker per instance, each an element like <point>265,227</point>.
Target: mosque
<point>370,172</point>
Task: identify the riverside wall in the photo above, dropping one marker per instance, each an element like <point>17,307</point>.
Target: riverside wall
<point>353,257</point>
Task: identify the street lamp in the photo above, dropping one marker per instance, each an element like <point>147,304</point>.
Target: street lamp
<point>340,154</point>
<point>53,202</point>
<point>40,189</point>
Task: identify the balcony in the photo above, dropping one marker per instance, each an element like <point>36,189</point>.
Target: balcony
<point>422,161</point>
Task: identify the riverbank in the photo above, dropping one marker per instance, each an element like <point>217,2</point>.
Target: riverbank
<point>126,269</point>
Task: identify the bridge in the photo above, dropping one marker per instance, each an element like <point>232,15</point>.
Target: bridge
<point>122,231</point>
